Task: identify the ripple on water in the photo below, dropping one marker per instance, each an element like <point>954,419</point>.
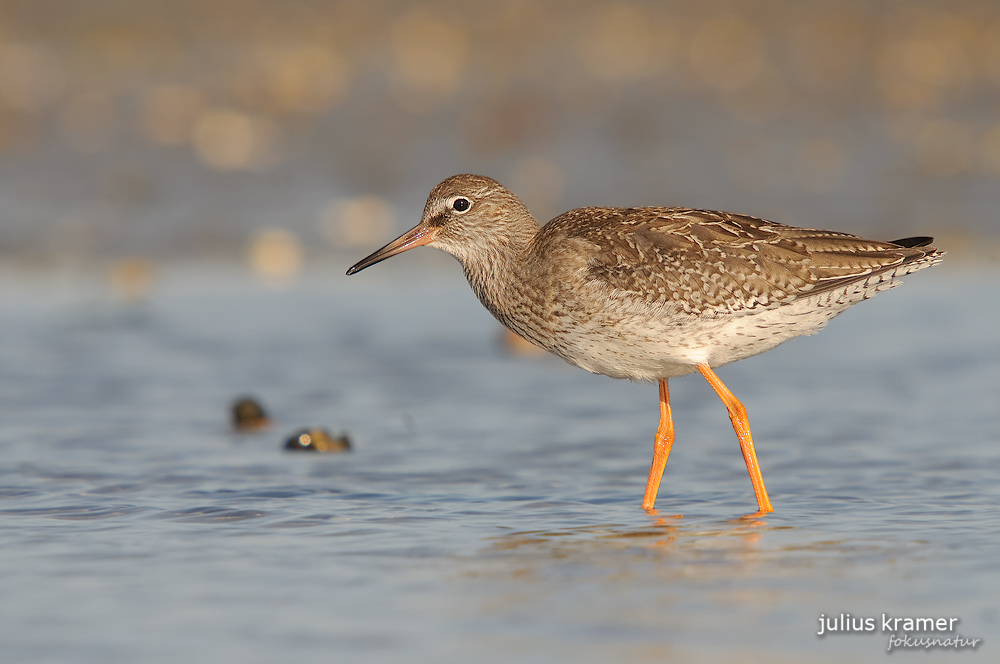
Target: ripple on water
<point>77,512</point>
<point>489,509</point>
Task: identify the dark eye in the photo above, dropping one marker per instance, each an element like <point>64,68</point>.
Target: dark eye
<point>461,204</point>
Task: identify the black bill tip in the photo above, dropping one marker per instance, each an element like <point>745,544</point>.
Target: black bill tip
<point>415,237</point>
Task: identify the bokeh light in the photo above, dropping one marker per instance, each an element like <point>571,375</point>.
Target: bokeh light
<point>430,50</point>
<point>357,222</point>
<point>178,130</point>
<point>300,79</point>
<point>226,139</point>
<point>275,255</point>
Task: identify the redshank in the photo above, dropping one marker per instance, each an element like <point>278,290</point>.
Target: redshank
<point>650,293</point>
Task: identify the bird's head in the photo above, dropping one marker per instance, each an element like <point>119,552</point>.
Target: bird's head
<point>469,216</point>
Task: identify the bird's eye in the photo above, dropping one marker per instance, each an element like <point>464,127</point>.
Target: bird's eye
<point>461,204</point>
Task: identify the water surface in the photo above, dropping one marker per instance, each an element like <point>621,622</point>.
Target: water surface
<point>490,507</point>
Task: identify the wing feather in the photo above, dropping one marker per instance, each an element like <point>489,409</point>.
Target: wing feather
<point>704,260</point>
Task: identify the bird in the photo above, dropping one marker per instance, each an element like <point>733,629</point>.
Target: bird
<point>654,293</point>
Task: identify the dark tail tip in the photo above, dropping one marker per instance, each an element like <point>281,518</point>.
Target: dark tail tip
<point>911,242</point>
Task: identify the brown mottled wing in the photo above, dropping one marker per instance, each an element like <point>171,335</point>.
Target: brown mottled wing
<point>706,260</point>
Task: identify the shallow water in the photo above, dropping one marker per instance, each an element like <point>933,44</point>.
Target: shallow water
<point>490,507</point>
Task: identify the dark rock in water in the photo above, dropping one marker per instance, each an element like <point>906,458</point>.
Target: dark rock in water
<point>317,440</point>
<point>248,415</point>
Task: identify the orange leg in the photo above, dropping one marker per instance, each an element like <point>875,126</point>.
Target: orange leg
<point>661,448</point>
<point>738,414</point>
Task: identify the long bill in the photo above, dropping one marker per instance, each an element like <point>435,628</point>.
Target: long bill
<point>416,236</point>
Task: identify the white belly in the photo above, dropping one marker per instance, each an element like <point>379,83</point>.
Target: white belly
<point>654,344</point>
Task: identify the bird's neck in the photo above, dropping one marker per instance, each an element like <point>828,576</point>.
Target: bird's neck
<point>499,265</point>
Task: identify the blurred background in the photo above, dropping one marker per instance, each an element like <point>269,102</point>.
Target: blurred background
<point>187,155</point>
<point>135,133</point>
